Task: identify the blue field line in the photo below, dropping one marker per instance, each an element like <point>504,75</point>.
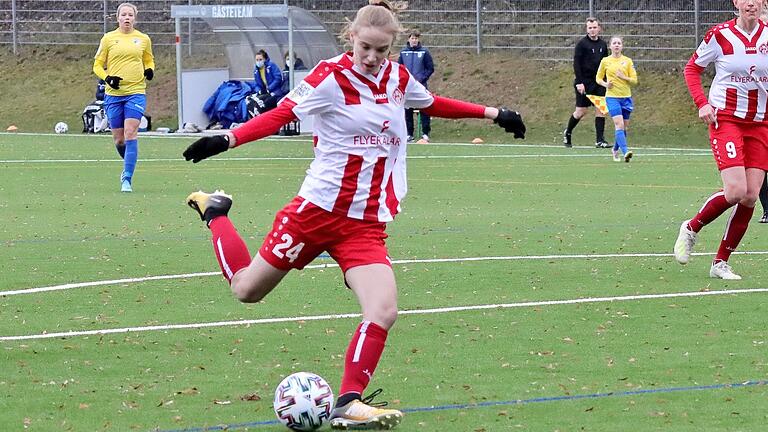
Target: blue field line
<point>750,383</point>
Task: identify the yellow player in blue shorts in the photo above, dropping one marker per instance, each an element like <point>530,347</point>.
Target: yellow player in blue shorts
<point>617,73</point>
<point>125,62</point>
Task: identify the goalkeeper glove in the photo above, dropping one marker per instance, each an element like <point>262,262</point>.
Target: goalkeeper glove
<point>149,74</point>
<point>511,121</point>
<point>113,81</point>
<point>206,147</point>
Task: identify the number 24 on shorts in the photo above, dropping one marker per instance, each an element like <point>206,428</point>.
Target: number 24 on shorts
<point>292,252</point>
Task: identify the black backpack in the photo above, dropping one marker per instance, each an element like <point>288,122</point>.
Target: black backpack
<point>259,104</point>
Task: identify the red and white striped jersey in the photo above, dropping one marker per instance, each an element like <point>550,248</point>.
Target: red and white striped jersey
<point>741,70</point>
<point>359,136</point>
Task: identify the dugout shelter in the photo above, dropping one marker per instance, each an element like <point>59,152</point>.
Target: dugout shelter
<point>243,30</point>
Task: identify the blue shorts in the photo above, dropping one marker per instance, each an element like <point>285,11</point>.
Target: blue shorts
<point>119,108</point>
<point>619,106</point>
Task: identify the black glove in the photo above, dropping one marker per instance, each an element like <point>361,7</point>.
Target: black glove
<point>113,81</point>
<point>511,121</point>
<point>149,74</point>
<point>206,147</point>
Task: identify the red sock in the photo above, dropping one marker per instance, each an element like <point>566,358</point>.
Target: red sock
<point>734,231</point>
<point>230,249</point>
<point>362,357</point>
<point>712,208</point>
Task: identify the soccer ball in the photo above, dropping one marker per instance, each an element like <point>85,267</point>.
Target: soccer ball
<point>303,401</point>
<point>61,128</point>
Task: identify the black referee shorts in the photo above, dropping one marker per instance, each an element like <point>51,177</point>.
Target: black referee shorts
<point>592,88</point>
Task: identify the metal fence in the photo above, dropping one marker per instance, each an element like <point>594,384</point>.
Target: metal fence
<point>654,30</point>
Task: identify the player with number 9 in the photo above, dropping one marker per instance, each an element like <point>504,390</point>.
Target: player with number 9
<point>735,113</point>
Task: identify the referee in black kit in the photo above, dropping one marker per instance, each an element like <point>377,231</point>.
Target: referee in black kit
<point>586,59</point>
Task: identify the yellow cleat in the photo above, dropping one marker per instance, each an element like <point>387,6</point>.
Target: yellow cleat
<point>209,206</point>
<point>357,415</point>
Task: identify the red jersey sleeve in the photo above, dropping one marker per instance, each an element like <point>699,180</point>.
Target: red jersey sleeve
<point>453,108</point>
<point>692,74</point>
<point>265,124</point>
<point>711,47</point>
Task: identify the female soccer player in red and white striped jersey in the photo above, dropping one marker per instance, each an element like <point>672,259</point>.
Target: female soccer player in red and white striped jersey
<point>353,187</point>
<point>738,127</point>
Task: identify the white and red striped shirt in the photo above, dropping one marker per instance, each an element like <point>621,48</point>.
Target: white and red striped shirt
<point>359,136</point>
<point>741,71</point>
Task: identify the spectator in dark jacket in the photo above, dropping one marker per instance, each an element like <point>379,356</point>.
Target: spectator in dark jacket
<point>419,62</point>
<point>298,64</point>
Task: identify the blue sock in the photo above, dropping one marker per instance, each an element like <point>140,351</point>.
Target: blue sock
<point>120,150</point>
<point>131,156</point>
<point>621,140</point>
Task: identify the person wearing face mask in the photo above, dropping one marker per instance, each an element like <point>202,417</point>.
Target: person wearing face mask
<point>418,61</point>
<point>354,186</point>
<point>298,66</point>
<point>268,80</point>
<point>298,63</point>
<point>125,62</point>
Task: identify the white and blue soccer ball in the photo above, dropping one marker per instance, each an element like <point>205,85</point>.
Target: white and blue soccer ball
<point>303,401</point>
<point>61,128</point>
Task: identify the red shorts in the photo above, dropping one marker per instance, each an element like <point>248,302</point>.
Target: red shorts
<point>737,143</point>
<point>302,231</point>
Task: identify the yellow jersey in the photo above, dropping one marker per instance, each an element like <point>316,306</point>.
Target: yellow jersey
<point>607,72</point>
<point>125,55</point>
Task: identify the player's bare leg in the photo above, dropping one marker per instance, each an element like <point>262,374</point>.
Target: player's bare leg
<point>257,280</point>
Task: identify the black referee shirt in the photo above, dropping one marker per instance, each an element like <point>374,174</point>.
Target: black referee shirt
<point>586,58</point>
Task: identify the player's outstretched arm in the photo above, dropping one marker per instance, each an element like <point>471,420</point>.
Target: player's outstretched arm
<point>256,128</point>
<point>510,120</point>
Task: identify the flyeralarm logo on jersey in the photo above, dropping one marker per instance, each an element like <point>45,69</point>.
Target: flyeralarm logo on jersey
<point>749,78</point>
<point>375,140</point>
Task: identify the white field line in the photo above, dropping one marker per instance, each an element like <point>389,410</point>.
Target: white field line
<point>308,139</point>
<point>287,158</point>
<point>333,264</point>
<point>404,312</point>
